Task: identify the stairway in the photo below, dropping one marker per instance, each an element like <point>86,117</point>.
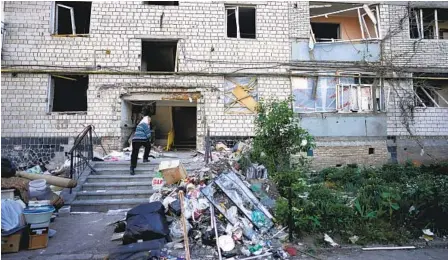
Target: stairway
<point>112,187</point>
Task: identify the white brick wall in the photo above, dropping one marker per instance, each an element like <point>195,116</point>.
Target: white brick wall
<point>199,26</point>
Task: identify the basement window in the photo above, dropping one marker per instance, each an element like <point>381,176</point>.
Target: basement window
<point>72,18</point>
<point>241,22</point>
<point>426,23</point>
<point>431,92</point>
<point>68,93</point>
<point>174,3</point>
<point>159,56</point>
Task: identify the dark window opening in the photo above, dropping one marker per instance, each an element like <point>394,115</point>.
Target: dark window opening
<point>175,3</point>
<point>371,150</point>
<point>244,26</point>
<point>426,23</point>
<point>326,31</point>
<point>159,56</point>
<point>431,92</point>
<point>231,23</point>
<point>69,93</point>
<point>72,15</point>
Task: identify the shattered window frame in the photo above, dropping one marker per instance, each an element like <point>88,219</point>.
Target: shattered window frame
<point>370,11</point>
<point>421,29</point>
<point>56,5</point>
<point>232,104</point>
<point>237,20</point>
<point>427,95</point>
<point>335,101</point>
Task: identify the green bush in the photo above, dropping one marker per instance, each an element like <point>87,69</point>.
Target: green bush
<point>388,204</point>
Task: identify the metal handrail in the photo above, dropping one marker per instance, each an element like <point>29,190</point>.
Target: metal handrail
<point>81,153</point>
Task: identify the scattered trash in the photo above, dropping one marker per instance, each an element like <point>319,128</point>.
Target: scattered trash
<point>173,171</point>
<point>226,243</point>
<point>329,240</point>
<point>35,170</point>
<point>354,239</point>
<point>427,235</point>
<point>157,181</point>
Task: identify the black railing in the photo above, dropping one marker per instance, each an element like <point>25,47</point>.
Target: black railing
<point>81,153</point>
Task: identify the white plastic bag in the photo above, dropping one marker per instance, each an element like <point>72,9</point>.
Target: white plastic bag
<point>11,214</point>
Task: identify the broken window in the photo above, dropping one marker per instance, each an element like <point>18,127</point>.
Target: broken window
<point>72,17</point>
<point>159,55</point>
<point>241,22</point>
<point>68,93</point>
<point>431,92</point>
<point>326,31</point>
<point>241,95</point>
<point>426,23</point>
<point>333,21</point>
<point>328,94</point>
<point>161,2</point>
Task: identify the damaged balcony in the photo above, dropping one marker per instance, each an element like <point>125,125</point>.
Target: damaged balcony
<point>341,32</point>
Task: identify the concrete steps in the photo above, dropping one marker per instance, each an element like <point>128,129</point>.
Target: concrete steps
<point>119,178</point>
<point>117,186</point>
<point>104,205</point>
<point>112,187</point>
<point>114,194</point>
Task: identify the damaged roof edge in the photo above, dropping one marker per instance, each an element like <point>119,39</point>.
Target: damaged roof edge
<point>421,4</point>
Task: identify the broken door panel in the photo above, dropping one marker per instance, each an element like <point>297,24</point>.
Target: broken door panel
<point>240,95</point>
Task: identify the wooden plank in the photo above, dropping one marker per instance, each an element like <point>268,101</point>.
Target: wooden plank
<point>243,97</point>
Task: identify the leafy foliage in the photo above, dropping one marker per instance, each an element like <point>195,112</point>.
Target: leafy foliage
<point>278,135</point>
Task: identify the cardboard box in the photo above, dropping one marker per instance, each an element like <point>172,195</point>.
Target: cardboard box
<point>172,171</point>
<point>38,238</point>
<point>11,243</point>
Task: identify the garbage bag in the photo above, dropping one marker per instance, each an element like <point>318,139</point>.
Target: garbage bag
<point>11,214</point>
<point>8,168</point>
<point>146,222</point>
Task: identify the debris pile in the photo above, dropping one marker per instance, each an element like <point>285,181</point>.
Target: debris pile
<point>216,211</point>
<point>29,199</point>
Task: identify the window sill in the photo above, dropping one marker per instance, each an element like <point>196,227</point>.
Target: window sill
<point>70,35</point>
<point>239,39</point>
<point>336,113</point>
<point>68,113</point>
<point>428,40</point>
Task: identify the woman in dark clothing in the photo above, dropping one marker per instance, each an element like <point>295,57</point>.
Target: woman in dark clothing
<point>141,138</point>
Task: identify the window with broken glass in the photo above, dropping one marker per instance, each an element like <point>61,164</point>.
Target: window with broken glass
<point>353,93</point>
<point>71,18</point>
<point>431,93</point>
<point>342,22</point>
<point>426,23</point>
<point>240,22</point>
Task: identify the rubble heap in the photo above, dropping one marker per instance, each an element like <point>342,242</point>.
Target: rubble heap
<point>216,211</point>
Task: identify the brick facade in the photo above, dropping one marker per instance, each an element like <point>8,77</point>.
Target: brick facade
<point>204,50</point>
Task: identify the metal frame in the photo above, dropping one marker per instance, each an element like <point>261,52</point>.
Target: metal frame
<point>81,153</point>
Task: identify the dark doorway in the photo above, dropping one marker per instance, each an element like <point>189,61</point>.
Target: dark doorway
<point>184,121</point>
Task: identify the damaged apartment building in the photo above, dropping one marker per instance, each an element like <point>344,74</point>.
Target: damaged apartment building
<point>370,79</point>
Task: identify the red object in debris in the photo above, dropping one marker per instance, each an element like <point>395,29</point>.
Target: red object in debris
<point>236,166</point>
<point>291,250</point>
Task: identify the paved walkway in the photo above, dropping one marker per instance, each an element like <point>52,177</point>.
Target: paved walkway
<point>87,237</point>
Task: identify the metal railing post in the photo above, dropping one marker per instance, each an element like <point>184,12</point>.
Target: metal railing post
<point>71,169</point>
<point>91,144</point>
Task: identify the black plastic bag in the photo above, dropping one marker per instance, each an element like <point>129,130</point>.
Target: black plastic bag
<point>146,222</point>
<point>175,207</point>
<point>8,168</point>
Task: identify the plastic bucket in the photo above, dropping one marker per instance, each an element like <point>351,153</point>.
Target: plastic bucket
<point>38,185</point>
<point>36,215</point>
